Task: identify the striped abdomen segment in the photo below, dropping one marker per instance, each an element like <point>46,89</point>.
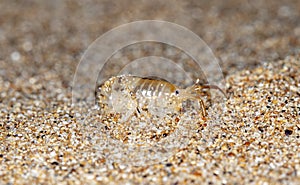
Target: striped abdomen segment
<point>148,87</point>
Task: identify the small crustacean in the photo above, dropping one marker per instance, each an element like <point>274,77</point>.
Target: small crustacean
<point>128,94</point>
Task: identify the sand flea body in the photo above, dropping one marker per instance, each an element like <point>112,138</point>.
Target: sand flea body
<point>128,95</point>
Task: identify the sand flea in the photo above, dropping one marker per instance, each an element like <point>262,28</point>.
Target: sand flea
<point>129,95</point>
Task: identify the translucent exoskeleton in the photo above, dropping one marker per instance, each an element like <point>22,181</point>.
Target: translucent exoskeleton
<point>129,95</point>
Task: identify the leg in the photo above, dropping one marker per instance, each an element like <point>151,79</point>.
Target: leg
<point>202,107</point>
<point>207,86</point>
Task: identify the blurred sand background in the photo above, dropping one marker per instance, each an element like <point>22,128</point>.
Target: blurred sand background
<point>41,43</point>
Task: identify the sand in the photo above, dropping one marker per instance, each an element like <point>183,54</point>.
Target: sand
<point>253,140</point>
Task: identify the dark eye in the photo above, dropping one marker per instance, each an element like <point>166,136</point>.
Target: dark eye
<point>176,92</point>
